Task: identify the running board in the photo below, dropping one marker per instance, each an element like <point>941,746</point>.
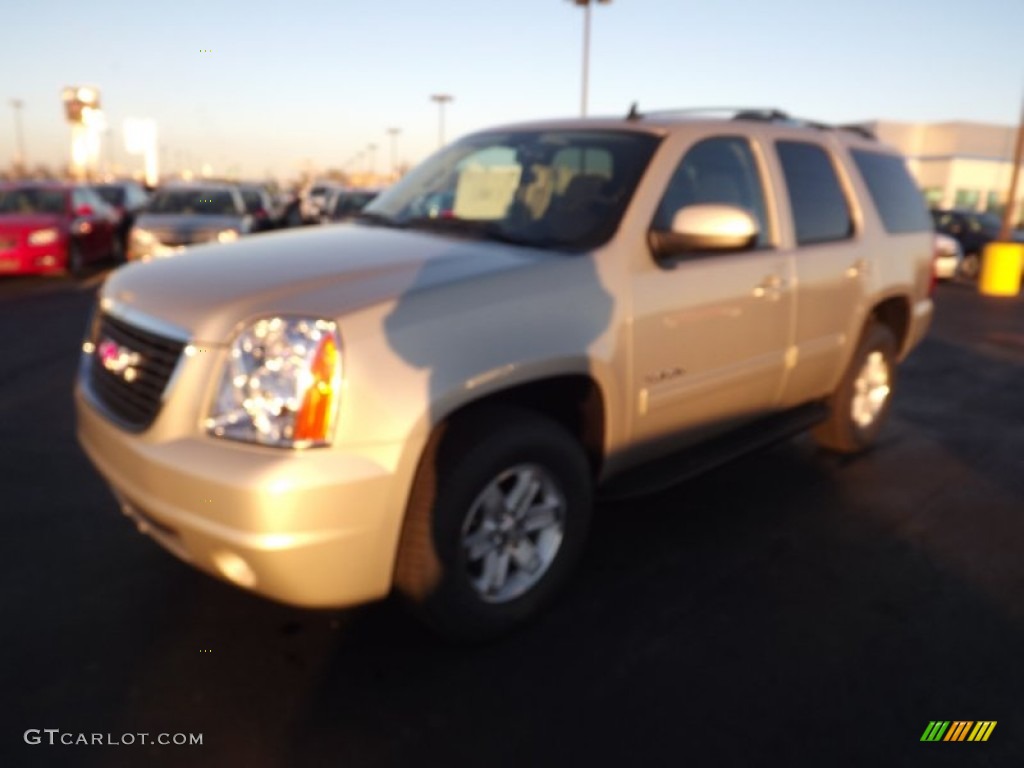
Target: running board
<point>678,467</point>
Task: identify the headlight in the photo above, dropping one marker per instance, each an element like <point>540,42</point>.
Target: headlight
<point>227,235</point>
<point>142,237</point>
<point>43,236</point>
<point>281,384</point>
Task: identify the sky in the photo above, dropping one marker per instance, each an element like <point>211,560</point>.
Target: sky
<point>287,85</point>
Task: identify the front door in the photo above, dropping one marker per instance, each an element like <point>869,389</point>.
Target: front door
<point>710,329</point>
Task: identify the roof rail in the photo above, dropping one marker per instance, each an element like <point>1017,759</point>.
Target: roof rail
<point>860,130</point>
<point>763,114</point>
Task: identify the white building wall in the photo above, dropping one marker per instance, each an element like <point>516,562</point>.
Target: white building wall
<point>957,164</point>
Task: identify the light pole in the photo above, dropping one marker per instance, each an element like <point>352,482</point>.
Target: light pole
<point>441,99</point>
<point>585,4</point>
<point>393,133</point>
<point>17,104</point>
<point>371,162</point>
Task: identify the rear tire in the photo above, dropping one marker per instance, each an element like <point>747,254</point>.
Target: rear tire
<point>496,522</point>
<point>861,403</point>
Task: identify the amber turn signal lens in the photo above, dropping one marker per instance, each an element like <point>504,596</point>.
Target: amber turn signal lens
<point>315,418</point>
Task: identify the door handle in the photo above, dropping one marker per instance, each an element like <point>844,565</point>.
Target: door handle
<point>858,268</point>
<point>770,288</point>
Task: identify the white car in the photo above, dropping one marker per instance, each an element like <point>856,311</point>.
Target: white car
<point>948,255</point>
<point>314,201</point>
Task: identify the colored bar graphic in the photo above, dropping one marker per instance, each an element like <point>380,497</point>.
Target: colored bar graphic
<point>935,730</point>
<point>958,730</point>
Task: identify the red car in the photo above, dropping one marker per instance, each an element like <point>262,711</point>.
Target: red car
<point>48,227</point>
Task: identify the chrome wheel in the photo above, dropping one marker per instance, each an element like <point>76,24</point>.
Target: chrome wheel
<point>970,266</point>
<point>513,532</point>
<point>870,390</point>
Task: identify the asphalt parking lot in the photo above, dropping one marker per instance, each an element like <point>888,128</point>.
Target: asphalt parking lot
<point>791,609</point>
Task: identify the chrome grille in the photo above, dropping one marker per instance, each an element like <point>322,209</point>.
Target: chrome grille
<point>133,399</point>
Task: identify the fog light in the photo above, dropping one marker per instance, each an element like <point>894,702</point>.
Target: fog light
<point>235,569</point>
<point>46,261</point>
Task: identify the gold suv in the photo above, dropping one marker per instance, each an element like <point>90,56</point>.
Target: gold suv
<point>430,399</point>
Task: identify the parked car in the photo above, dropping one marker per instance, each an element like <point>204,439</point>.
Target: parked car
<point>182,215</point>
<point>52,227</point>
<point>259,204</point>
<point>314,200</point>
<point>344,204</point>
<point>973,231</point>
<point>289,206</point>
<point>948,257</point>
<point>430,400</point>
<point>127,198</point>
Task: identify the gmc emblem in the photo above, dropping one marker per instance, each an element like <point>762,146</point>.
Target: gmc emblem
<point>119,360</point>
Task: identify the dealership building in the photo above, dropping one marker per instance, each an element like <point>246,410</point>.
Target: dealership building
<point>958,164</point>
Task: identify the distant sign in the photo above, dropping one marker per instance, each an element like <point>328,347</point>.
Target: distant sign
<point>78,99</point>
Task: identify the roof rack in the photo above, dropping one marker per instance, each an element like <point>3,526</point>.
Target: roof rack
<point>762,114</point>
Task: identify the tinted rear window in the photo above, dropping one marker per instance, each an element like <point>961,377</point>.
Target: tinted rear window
<point>253,201</point>
<point>896,198</point>
<point>112,195</point>
<point>820,211</point>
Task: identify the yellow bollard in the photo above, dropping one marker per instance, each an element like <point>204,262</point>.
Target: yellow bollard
<point>1001,266</point>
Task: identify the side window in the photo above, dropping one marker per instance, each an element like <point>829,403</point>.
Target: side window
<point>717,170</point>
<point>821,212</point>
<point>893,192</point>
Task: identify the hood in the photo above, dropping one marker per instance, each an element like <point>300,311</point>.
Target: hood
<point>326,272</point>
<point>184,223</point>
<point>26,222</point>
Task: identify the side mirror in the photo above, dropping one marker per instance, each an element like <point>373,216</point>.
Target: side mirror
<point>711,227</point>
<point>84,210</point>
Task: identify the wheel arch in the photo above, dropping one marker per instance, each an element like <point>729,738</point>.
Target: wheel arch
<point>894,313</point>
<point>573,401</point>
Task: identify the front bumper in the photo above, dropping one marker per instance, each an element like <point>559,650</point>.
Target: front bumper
<point>314,528</point>
<point>31,260</point>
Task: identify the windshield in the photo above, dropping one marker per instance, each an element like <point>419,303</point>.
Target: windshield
<point>989,222</point>
<point>555,189</point>
<point>33,200</point>
<point>203,202</point>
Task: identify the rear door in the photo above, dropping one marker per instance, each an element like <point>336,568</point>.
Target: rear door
<point>833,264</point>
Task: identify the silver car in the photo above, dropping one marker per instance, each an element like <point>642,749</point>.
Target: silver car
<point>183,215</point>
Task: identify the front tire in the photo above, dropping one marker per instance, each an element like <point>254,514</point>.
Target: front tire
<point>861,403</point>
<point>76,261</point>
<point>496,522</point>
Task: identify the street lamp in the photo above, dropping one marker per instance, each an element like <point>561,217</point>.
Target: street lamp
<point>17,104</point>
<point>393,133</point>
<point>371,162</point>
<point>585,4</point>
<point>441,99</point>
